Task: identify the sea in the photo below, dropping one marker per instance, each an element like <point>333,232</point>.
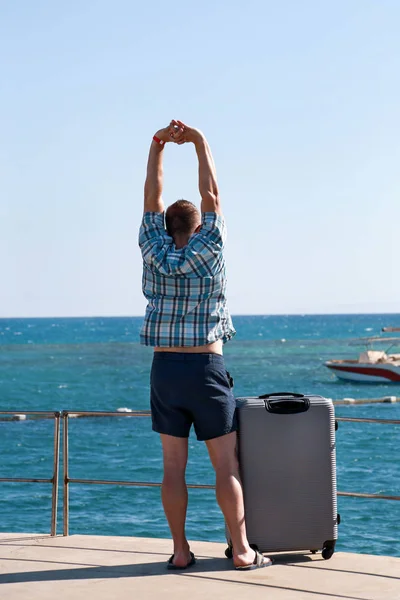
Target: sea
<point>97,364</point>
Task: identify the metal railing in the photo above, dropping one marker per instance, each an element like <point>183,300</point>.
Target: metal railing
<point>146,413</point>
<point>53,480</point>
<point>64,415</point>
<point>357,494</point>
<point>67,480</point>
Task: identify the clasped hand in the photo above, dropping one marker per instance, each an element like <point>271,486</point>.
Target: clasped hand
<point>178,132</point>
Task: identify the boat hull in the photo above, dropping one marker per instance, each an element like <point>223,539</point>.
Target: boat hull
<point>362,372</point>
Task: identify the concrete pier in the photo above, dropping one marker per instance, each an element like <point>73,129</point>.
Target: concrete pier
<point>81,567</point>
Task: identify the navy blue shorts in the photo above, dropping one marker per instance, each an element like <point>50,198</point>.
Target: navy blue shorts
<point>190,388</point>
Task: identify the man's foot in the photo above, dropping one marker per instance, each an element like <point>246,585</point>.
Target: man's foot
<point>180,561</point>
<point>259,562</point>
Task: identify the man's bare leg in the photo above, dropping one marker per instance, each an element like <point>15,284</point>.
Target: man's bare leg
<point>222,452</point>
<point>174,494</point>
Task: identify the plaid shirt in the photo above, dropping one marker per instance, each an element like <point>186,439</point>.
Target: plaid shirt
<point>185,288</point>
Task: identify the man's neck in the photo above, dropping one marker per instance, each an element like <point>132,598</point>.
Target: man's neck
<point>181,242</point>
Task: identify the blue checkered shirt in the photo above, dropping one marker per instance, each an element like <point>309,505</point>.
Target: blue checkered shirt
<point>185,288</point>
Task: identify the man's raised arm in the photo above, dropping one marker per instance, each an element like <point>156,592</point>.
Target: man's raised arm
<point>153,201</point>
<point>208,185</point>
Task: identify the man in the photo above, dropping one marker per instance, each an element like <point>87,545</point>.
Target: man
<point>187,321</point>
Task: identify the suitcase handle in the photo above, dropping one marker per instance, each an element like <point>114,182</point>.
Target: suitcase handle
<point>291,394</point>
<point>286,406</point>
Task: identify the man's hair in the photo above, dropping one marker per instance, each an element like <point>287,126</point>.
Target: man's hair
<point>181,218</point>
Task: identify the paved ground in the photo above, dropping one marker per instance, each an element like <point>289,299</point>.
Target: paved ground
<point>83,567</point>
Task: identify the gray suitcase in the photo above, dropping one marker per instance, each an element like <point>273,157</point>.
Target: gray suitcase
<point>288,470</point>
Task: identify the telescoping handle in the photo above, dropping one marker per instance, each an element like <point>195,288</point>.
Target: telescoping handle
<point>285,403</point>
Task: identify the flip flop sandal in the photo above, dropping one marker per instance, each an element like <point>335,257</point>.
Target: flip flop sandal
<point>172,567</point>
<point>259,562</point>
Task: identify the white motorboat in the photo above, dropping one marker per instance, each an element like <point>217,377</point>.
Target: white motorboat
<point>372,366</point>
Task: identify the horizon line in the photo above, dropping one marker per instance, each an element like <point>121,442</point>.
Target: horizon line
<point>296,314</point>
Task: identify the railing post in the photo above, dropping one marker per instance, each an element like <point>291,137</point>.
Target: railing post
<point>65,465</point>
<point>54,500</point>
<point>56,459</point>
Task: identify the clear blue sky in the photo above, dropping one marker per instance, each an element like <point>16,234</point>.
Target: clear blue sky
<point>299,100</point>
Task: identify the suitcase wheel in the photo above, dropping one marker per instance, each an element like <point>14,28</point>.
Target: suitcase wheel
<point>327,553</point>
<point>254,547</point>
<point>328,549</point>
<point>229,552</point>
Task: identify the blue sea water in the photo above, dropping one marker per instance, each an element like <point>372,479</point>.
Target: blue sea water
<point>98,364</point>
